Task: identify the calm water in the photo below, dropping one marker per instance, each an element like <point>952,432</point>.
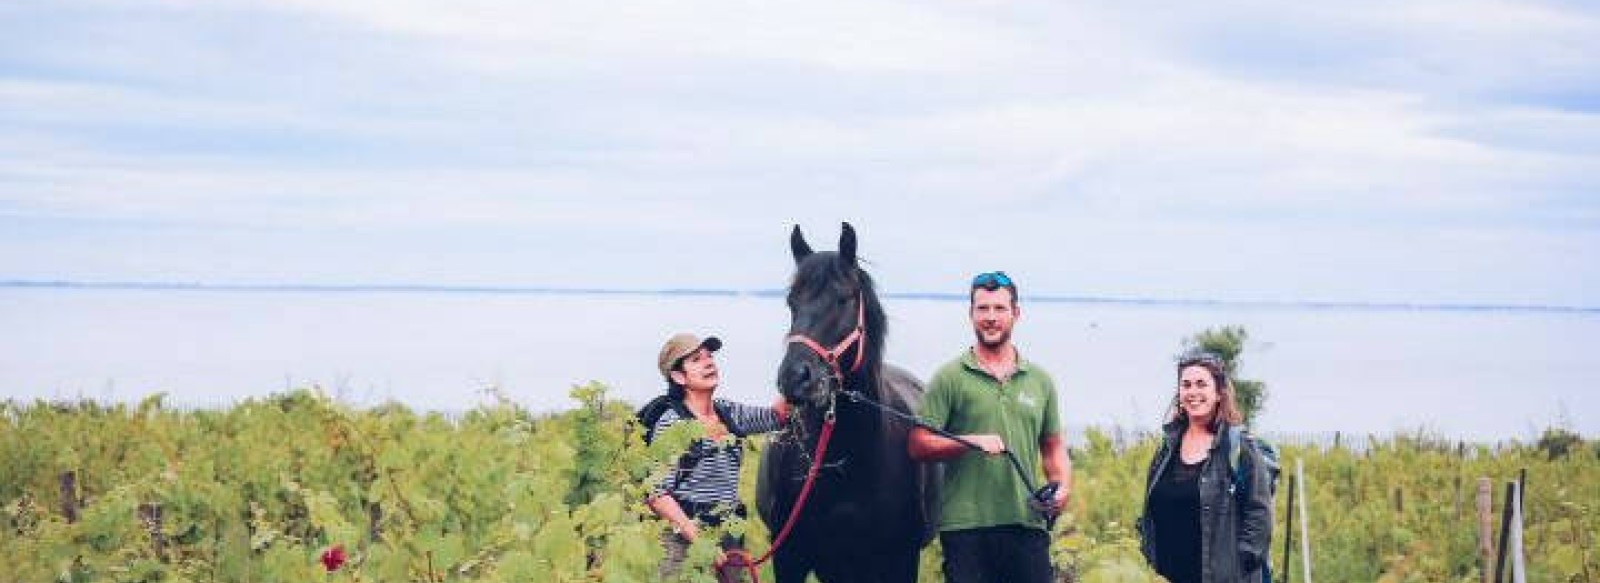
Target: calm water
<point>1484,375</point>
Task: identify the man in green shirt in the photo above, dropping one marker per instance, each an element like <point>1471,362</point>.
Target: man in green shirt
<point>993,398</point>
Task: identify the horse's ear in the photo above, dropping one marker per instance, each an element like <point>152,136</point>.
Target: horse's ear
<point>847,246</point>
<point>798,245</point>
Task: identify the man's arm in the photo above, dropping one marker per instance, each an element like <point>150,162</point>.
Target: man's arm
<point>927,446</point>
<point>1057,466</point>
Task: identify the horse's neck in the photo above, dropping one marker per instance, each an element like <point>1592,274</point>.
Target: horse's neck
<point>864,423</point>
<point>865,383</point>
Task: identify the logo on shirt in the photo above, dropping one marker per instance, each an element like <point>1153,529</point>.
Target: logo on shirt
<point>1027,399</point>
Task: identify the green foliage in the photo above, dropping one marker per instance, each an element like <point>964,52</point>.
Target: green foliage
<point>1227,342</point>
<point>257,492</point>
<point>1557,442</point>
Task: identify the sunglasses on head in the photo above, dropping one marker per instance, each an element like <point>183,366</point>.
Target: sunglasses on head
<point>992,280</point>
<point>1201,358</point>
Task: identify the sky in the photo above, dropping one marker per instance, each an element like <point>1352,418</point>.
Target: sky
<point>1414,151</point>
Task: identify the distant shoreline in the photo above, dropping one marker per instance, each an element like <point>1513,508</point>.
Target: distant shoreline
<point>1307,305</point>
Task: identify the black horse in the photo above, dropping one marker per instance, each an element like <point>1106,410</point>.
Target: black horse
<point>872,508</point>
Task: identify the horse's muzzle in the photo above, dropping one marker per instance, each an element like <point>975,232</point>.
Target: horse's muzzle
<point>806,383</point>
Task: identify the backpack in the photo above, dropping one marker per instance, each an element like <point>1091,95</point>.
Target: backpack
<point>650,414</point>
<point>1241,481</point>
<point>652,411</point>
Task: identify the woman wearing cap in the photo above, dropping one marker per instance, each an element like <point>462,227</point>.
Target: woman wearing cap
<point>1205,521</point>
<point>704,487</point>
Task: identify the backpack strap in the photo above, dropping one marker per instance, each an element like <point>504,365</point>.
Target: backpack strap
<point>682,409</point>
<point>1236,438</point>
<point>688,459</point>
<point>650,414</point>
<point>691,458</point>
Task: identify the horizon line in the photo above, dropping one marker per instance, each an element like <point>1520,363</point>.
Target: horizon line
<point>779,292</point>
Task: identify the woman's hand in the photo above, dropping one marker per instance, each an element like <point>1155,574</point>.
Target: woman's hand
<point>687,530</point>
<point>781,407</point>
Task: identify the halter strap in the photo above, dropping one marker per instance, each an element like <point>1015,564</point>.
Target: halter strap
<point>854,338</point>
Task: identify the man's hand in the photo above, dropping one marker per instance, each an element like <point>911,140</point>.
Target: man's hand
<point>1060,501</point>
<point>1053,505</point>
<point>991,443</point>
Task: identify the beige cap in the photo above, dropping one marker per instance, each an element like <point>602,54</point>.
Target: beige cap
<point>680,345</point>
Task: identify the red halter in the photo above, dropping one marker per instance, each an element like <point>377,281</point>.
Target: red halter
<point>855,337</point>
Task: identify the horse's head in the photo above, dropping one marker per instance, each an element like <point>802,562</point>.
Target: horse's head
<point>836,325</point>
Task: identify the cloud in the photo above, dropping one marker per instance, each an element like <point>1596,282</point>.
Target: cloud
<point>409,125</point>
<point>1451,52</point>
<point>502,36</point>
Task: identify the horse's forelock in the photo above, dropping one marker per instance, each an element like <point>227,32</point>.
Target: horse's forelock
<point>815,273</point>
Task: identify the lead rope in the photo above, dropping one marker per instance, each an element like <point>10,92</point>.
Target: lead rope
<point>1042,495</point>
<point>740,558</point>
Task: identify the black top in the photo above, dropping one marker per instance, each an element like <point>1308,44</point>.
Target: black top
<point>1175,512</point>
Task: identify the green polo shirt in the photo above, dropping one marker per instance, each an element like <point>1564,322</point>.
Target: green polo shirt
<point>983,490</point>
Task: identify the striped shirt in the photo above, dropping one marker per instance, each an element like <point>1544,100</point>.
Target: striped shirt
<point>714,478</point>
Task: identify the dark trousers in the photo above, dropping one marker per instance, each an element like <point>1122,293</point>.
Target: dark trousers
<point>997,554</point>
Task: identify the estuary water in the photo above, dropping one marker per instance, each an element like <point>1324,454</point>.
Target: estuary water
<point>1484,374</point>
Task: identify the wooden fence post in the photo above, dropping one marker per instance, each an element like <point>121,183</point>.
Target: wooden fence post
<point>1288,530</point>
<point>1457,490</point>
<point>1486,529</point>
<point>1505,532</point>
<point>69,495</point>
<point>374,522</point>
<point>150,516</point>
<point>1522,488</point>
<point>1519,572</point>
<point>1305,536</point>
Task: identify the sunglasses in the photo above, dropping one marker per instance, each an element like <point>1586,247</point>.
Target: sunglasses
<point>992,280</point>
<point>1201,358</point>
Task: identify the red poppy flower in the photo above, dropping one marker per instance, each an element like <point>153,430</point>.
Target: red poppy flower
<point>333,558</point>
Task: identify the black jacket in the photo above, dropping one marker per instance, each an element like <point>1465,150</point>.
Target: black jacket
<point>1235,526</point>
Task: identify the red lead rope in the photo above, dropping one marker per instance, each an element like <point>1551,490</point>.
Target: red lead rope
<point>739,558</point>
<point>857,337</point>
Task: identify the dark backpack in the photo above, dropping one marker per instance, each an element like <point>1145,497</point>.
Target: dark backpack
<point>1269,456</point>
<point>650,414</point>
<point>1241,481</point>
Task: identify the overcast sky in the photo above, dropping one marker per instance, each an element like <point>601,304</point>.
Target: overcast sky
<point>1429,151</point>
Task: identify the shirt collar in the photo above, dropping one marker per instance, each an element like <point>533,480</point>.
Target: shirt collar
<point>969,359</point>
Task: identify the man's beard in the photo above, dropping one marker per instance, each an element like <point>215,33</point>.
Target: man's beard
<point>998,342</point>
